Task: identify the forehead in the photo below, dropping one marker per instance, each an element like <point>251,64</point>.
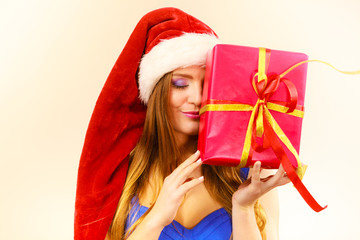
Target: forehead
<point>191,71</point>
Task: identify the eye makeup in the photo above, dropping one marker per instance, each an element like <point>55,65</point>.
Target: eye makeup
<point>179,82</point>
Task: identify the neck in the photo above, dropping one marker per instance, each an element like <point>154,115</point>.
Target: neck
<point>188,147</point>
<point>187,144</point>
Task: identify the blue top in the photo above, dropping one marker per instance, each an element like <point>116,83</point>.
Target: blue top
<point>215,226</point>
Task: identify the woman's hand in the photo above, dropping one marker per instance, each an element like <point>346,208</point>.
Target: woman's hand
<point>255,187</point>
<point>174,188</point>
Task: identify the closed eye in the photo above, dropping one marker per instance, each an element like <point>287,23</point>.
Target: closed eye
<point>179,87</point>
<point>179,83</point>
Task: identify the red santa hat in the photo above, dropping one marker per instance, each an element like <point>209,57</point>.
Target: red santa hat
<point>162,41</point>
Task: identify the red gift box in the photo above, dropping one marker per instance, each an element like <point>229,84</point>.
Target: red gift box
<point>252,109</point>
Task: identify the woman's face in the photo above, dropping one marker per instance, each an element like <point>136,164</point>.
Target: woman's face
<point>185,99</point>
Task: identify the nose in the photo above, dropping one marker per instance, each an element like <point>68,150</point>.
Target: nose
<point>196,94</point>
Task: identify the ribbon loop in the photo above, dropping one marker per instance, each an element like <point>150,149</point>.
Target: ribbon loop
<point>274,81</point>
<point>292,93</point>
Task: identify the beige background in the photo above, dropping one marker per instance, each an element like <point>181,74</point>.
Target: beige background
<point>55,56</point>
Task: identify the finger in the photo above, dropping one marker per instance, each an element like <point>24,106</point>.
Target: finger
<point>284,180</point>
<point>281,167</point>
<point>272,183</point>
<point>266,178</point>
<point>187,171</point>
<point>280,178</point>
<point>184,188</point>
<point>279,174</point>
<point>255,177</point>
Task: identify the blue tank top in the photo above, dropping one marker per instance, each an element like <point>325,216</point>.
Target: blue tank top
<point>215,226</point>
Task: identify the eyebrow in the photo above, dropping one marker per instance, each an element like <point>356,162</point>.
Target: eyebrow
<point>183,75</point>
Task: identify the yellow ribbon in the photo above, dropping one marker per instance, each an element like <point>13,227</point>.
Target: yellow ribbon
<point>247,107</point>
<point>314,60</point>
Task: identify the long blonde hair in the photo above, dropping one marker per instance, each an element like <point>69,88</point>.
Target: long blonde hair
<point>157,154</point>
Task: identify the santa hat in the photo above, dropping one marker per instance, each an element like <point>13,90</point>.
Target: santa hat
<point>162,41</point>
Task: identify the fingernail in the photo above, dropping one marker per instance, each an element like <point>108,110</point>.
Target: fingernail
<point>199,160</point>
<point>197,152</point>
<point>201,178</point>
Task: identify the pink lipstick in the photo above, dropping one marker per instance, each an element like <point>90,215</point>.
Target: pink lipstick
<point>192,114</point>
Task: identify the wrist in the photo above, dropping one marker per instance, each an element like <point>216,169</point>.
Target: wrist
<point>242,210</point>
<point>248,207</point>
<point>154,220</point>
<point>149,228</point>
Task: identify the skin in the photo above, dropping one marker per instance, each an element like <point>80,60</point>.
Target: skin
<point>179,194</point>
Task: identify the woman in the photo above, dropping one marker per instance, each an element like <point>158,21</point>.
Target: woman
<point>168,193</point>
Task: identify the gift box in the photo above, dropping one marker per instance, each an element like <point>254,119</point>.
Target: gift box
<point>230,83</point>
<point>252,109</point>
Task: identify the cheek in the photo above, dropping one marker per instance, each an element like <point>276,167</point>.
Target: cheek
<point>177,98</point>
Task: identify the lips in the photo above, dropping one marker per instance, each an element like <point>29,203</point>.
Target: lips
<point>192,114</point>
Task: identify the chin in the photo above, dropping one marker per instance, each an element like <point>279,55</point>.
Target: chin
<point>194,133</point>
<point>188,133</point>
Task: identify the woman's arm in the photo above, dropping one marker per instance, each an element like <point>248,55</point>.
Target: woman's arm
<point>244,223</point>
<point>270,203</point>
<point>256,188</point>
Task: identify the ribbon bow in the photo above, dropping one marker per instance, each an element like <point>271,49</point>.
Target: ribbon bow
<point>261,119</point>
<point>265,89</point>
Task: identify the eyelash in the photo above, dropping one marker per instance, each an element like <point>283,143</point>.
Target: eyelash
<point>179,87</point>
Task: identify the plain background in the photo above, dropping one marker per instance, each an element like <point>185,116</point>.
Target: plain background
<point>56,55</point>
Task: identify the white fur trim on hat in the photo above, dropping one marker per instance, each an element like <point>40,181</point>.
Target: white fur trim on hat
<point>186,50</point>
